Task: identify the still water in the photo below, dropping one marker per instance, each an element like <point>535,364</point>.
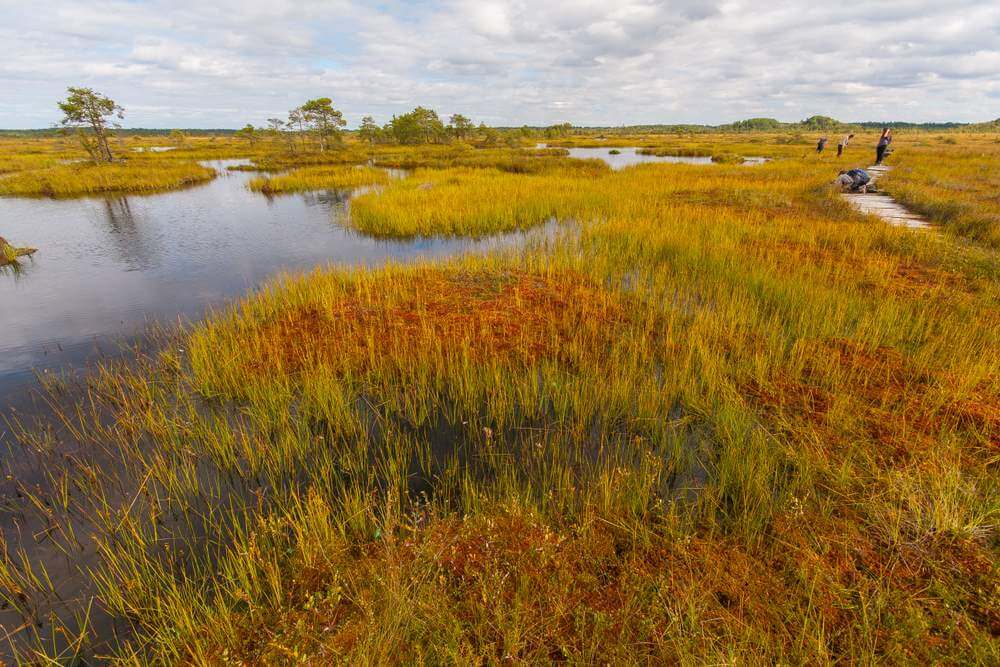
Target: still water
<point>630,156</point>
<point>106,269</point>
<point>109,266</point>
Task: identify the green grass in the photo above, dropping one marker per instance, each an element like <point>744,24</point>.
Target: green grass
<point>719,418</point>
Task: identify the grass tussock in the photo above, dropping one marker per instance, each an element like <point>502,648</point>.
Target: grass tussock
<point>514,161</point>
<point>282,160</point>
<point>725,419</point>
<point>320,178</point>
<point>70,180</point>
<point>10,255</point>
<point>435,316</point>
<point>675,152</point>
<point>506,585</point>
<point>461,202</point>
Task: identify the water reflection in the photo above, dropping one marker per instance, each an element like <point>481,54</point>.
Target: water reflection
<point>125,234</point>
<point>119,213</point>
<point>619,158</point>
<point>627,157</point>
<point>108,266</point>
<point>328,199</point>
<point>15,268</point>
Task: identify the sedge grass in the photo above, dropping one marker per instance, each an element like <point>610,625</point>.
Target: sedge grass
<point>461,202</point>
<point>724,419</point>
<point>10,255</point>
<point>320,178</point>
<point>520,161</point>
<point>86,178</point>
<point>954,184</point>
<point>17,154</point>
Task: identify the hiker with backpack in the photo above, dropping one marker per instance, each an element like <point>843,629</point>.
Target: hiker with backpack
<point>855,180</point>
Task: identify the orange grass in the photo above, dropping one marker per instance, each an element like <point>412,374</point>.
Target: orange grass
<point>590,594</point>
<point>513,316</point>
<point>720,418</point>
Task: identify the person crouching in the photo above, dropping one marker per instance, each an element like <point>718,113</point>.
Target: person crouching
<point>855,180</point>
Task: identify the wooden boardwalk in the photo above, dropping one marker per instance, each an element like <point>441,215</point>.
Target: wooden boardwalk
<point>884,206</point>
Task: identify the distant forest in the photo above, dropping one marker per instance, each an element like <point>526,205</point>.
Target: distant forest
<point>813,123</point>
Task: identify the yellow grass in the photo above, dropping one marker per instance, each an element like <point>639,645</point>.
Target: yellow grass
<point>86,178</point>
<point>466,202</point>
<point>954,184</point>
<point>719,418</point>
<point>320,178</point>
<point>9,254</point>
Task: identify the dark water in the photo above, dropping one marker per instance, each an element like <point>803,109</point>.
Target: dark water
<point>109,266</point>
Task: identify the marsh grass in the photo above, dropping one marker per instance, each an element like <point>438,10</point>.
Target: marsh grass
<point>11,255</point>
<point>278,161</point>
<point>675,152</point>
<point>725,419</point>
<point>14,163</point>
<point>514,161</point>
<point>461,202</point>
<point>22,155</point>
<point>135,175</point>
<point>320,178</point>
<point>953,183</point>
<point>766,144</point>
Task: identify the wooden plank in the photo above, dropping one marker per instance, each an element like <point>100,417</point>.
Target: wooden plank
<point>883,205</point>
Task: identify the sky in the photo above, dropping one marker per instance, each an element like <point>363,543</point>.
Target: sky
<point>225,63</point>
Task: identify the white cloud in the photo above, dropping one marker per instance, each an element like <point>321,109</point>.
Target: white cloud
<point>187,63</point>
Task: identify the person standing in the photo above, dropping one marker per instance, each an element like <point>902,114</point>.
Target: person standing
<point>821,145</point>
<point>883,145</point>
<point>844,140</point>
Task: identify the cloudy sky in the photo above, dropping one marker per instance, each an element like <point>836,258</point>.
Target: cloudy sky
<point>223,63</point>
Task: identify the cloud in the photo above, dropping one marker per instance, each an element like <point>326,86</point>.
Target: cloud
<point>225,63</point>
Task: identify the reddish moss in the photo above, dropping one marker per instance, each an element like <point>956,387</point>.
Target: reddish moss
<point>892,402</point>
<point>919,279</point>
<point>515,317</point>
<point>786,396</point>
<point>569,590</point>
<point>790,253</point>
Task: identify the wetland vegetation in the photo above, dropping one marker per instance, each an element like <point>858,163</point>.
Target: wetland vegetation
<point>715,416</point>
<point>11,255</point>
<point>955,181</point>
<point>325,177</point>
<point>136,175</point>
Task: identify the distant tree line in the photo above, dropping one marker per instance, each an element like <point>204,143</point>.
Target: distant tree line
<point>316,124</point>
<point>93,117</point>
<point>813,123</point>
